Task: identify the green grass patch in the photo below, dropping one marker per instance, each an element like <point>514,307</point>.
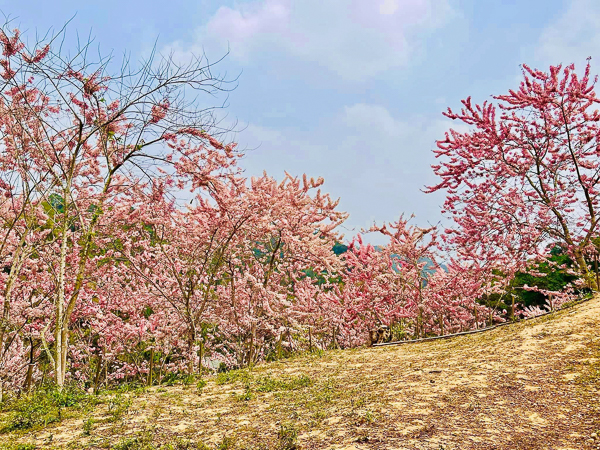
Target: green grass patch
<point>268,384</point>
<point>42,407</point>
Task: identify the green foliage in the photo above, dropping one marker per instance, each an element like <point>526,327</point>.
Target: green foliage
<point>173,378</point>
<point>134,387</point>
<point>201,384</point>
<point>233,376</point>
<point>555,279</point>
<point>17,446</point>
<point>55,204</point>
<point>339,248</point>
<point>400,331</point>
<point>268,384</point>
<point>43,406</point>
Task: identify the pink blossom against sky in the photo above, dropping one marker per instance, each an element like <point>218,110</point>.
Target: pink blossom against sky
<point>351,90</point>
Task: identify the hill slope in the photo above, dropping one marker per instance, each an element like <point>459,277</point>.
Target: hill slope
<point>533,385</point>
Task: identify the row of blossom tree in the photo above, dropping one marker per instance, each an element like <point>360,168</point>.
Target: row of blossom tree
<point>132,246</point>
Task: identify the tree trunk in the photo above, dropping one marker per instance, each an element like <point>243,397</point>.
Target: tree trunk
<point>585,271</point>
<point>98,373</point>
<point>512,308</point>
<point>15,269</point>
<point>597,274</point>
<point>29,376</point>
<point>151,368</point>
<point>60,347</point>
<point>201,357</point>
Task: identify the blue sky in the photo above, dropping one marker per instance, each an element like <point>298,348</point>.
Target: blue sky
<point>351,90</point>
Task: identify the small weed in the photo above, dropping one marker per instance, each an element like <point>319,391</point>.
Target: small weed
<point>183,444</point>
<point>319,416</point>
<point>118,407</point>
<point>129,444</point>
<point>200,385</point>
<point>142,440</point>
<point>173,378</point>
<point>358,403</point>
<point>246,396</point>
<point>318,352</point>
<point>87,426</point>
<point>288,437</point>
<point>226,444</point>
<point>233,376</point>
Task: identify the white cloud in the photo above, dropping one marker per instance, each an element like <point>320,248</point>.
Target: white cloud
<point>389,6</point>
<point>355,39</point>
<point>249,26</point>
<point>573,36</point>
<point>374,161</point>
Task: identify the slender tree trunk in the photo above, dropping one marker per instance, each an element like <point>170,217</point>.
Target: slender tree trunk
<point>512,308</point>
<point>59,334</point>
<point>200,369</point>
<point>15,269</point>
<point>597,274</point>
<point>98,373</point>
<point>151,368</point>
<point>335,343</point>
<point>191,342</point>
<point>29,376</point>
<point>278,349</point>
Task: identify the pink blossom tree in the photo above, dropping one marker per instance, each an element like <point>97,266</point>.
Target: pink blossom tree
<point>75,137</point>
<point>402,284</point>
<point>525,175</point>
<point>232,260</point>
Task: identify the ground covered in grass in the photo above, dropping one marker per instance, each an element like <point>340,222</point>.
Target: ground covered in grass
<point>531,385</point>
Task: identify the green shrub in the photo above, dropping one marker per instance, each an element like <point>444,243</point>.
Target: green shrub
<point>42,407</point>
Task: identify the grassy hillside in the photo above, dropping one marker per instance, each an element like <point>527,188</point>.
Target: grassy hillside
<point>533,385</point>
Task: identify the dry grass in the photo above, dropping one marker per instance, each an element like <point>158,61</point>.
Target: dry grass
<point>531,385</point>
